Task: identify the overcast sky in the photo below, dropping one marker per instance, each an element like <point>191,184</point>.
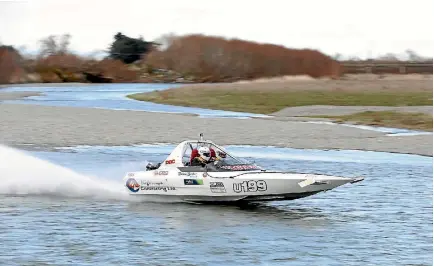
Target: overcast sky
<point>350,27</point>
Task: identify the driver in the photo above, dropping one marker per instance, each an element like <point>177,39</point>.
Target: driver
<point>203,158</point>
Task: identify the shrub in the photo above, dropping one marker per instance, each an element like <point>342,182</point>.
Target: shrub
<point>115,70</point>
<point>11,70</point>
<point>215,59</point>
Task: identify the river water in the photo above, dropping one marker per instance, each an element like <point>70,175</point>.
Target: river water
<point>112,96</point>
<point>68,206</point>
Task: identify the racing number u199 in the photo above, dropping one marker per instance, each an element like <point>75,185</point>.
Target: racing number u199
<point>250,186</point>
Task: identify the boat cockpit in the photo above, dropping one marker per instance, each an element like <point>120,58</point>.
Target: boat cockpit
<point>221,160</point>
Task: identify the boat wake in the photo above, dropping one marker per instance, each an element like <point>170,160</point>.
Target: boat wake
<point>23,174</point>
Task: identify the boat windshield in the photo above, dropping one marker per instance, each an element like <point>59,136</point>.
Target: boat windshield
<point>225,159</point>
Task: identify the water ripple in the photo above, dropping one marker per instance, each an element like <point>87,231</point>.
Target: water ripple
<point>385,220</point>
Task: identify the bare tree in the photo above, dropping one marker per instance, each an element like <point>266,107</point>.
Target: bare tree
<point>64,44</point>
<point>48,46</point>
<point>51,46</point>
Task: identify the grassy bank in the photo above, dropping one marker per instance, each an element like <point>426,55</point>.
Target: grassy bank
<point>417,121</point>
<point>270,101</point>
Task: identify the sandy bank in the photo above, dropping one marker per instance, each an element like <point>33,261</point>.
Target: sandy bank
<point>371,77</point>
<point>15,95</point>
<point>350,83</point>
<point>65,84</point>
<point>47,126</point>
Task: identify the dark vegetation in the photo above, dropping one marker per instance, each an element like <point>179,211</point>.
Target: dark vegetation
<point>191,58</point>
<point>129,50</point>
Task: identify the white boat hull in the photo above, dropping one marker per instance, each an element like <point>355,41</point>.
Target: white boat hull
<point>229,179</point>
<point>229,186</point>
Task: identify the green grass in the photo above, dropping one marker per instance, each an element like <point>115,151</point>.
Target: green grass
<point>267,102</point>
<point>418,121</point>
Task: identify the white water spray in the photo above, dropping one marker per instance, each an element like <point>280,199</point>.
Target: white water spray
<point>23,174</point>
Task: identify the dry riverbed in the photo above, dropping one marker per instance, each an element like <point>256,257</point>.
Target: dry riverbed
<point>46,126</point>
<point>15,95</point>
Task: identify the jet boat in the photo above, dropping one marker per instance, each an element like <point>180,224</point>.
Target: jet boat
<point>231,179</point>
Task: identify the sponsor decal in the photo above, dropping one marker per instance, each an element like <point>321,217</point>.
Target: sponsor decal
<point>148,185</point>
<point>193,182</point>
<point>217,187</point>
<point>161,172</point>
<point>240,167</point>
<point>132,185</point>
<point>250,186</point>
<point>186,173</point>
<point>170,161</point>
<point>163,188</point>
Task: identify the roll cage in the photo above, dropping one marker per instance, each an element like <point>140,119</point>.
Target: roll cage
<point>183,154</point>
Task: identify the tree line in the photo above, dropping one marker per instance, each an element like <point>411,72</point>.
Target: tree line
<point>205,58</point>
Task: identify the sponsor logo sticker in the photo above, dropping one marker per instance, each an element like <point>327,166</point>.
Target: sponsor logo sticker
<point>217,187</point>
<point>193,182</point>
<point>149,185</point>
<point>161,172</point>
<point>186,173</point>
<point>132,185</point>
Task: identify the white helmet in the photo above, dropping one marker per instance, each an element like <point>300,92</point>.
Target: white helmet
<point>204,153</point>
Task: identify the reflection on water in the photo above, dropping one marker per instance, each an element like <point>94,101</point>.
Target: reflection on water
<point>230,215</point>
<point>384,220</point>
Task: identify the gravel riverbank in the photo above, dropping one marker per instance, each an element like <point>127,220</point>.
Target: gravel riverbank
<point>65,84</point>
<point>16,95</point>
<point>46,126</point>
